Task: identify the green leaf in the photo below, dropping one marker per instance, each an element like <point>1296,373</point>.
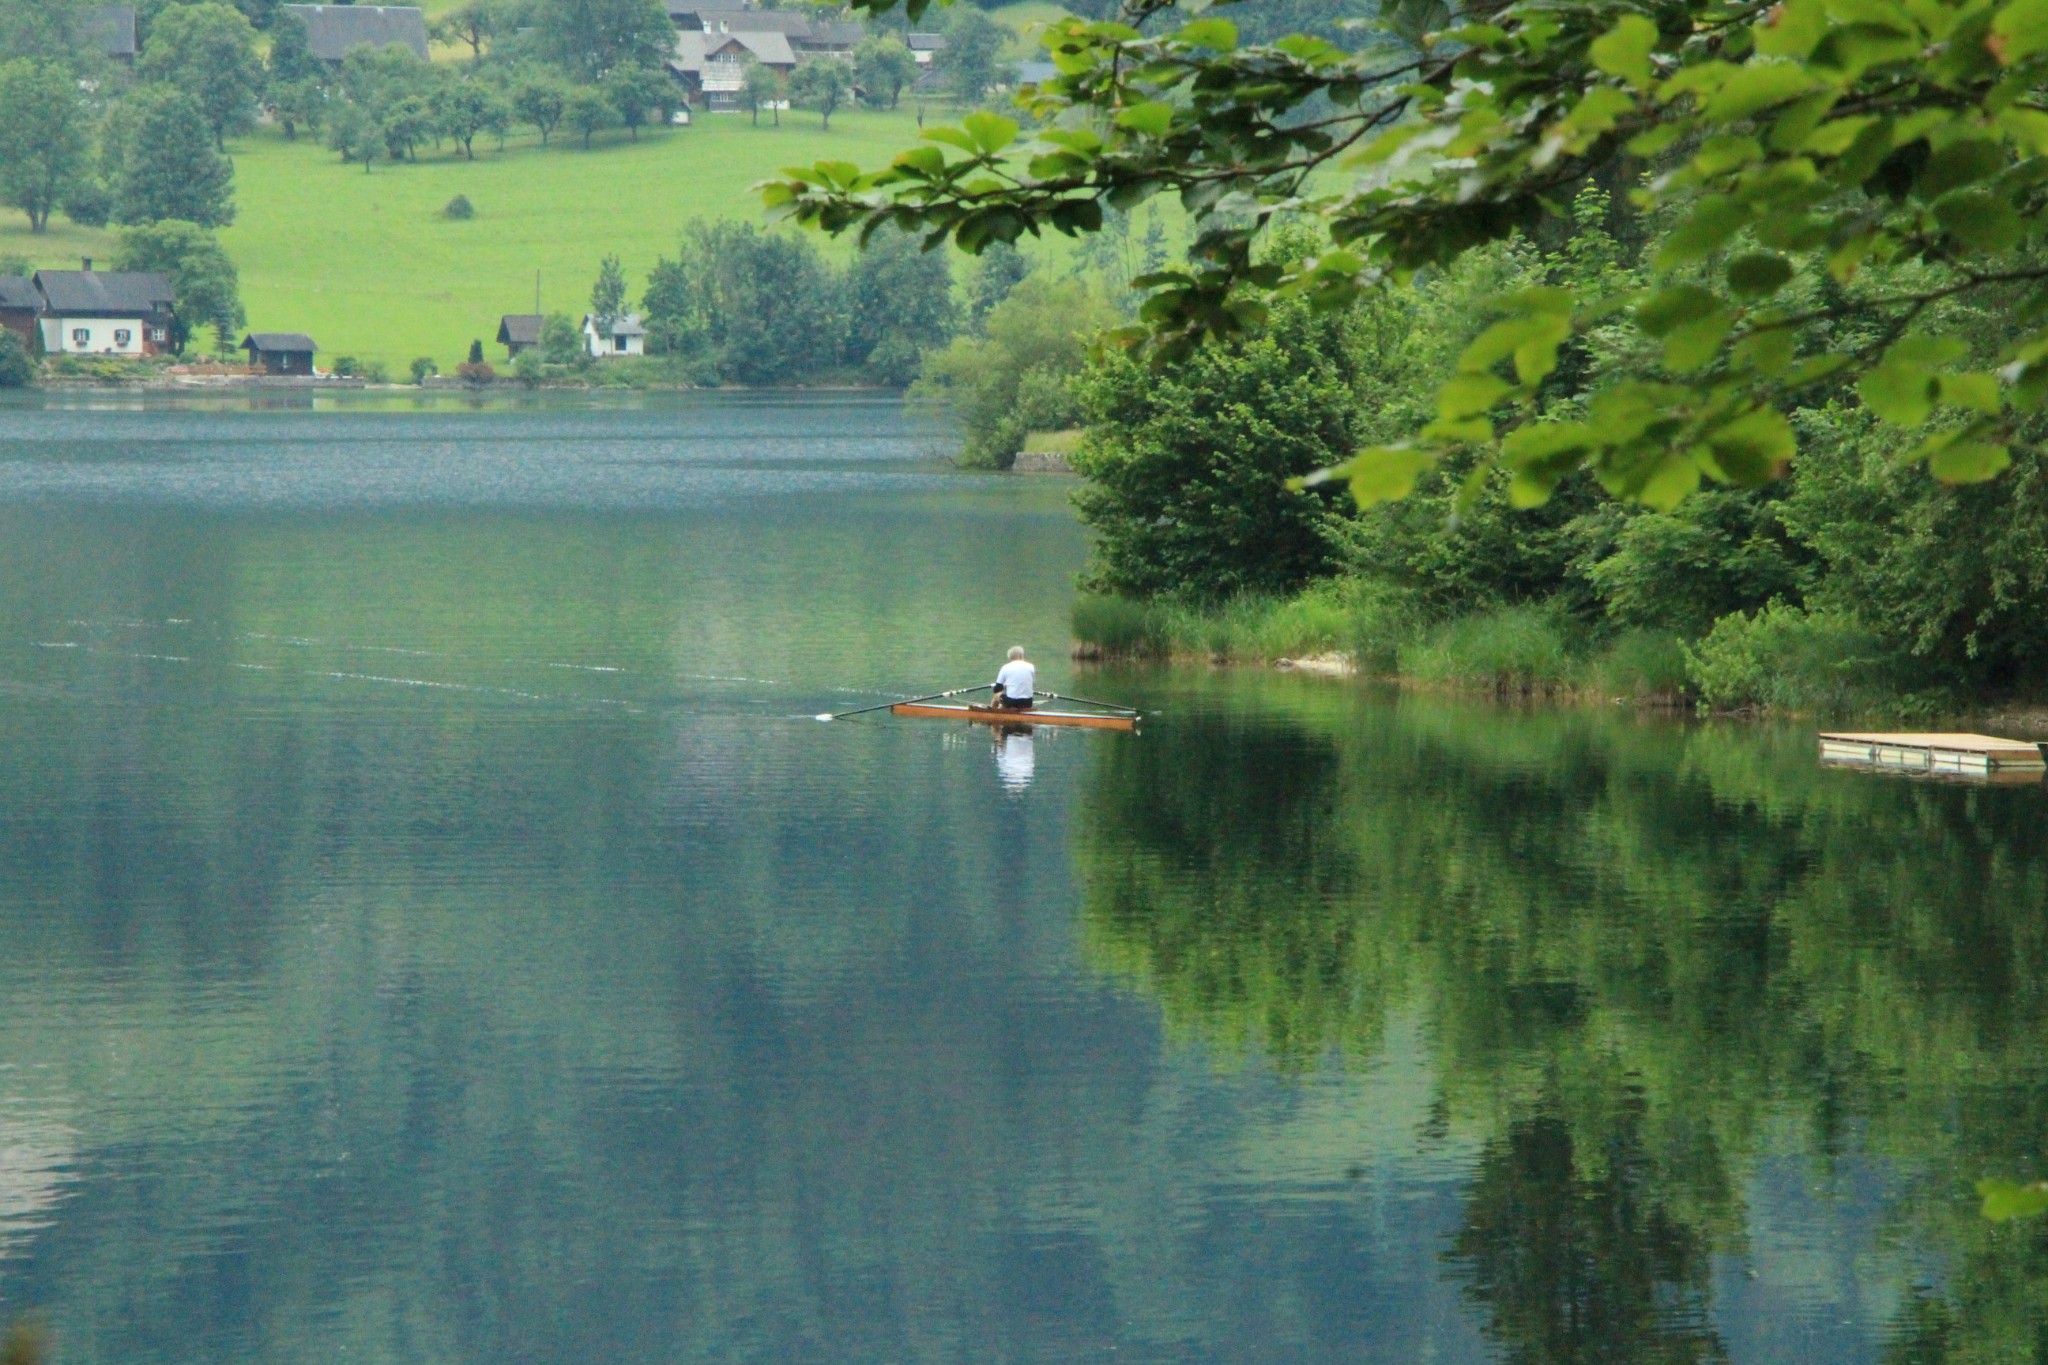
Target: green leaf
<point>1753,89</point>
<point>1975,390</point>
<point>990,132</point>
<point>1669,482</point>
<point>1383,473</point>
<point>1899,392</point>
<point>1624,50</point>
<point>1792,29</point>
<point>1757,274</point>
<point>1470,395</point>
<point>1217,34</point>
<point>1711,224</point>
<point>1152,118</point>
<point>1980,220</point>
<point>1959,164</point>
<point>1767,353</point>
<point>2005,1199</point>
<point>1693,345</point>
<point>1753,448</point>
<point>1968,462</point>
<point>2019,31</point>
<point>1673,306</point>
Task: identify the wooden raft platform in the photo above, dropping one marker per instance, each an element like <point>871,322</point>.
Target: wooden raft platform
<point>1933,753</point>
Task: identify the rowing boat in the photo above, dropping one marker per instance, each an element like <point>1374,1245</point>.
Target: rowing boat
<point>989,715</point>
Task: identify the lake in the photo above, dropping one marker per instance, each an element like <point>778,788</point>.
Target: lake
<point>434,928</point>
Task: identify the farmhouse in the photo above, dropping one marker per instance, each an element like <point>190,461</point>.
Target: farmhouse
<point>116,312</point>
<point>713,66</point>
<point>333,31</point>
<point>626,336</point>
<point>280,352</point>
<point>924,46</point>
<point>519,332</point>
<point>20,305</point>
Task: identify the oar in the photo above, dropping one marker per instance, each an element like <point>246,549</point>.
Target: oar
<point>911,701</point>
<point>1105,705</point>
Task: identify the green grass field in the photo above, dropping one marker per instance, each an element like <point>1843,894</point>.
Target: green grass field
<point>368,266</point>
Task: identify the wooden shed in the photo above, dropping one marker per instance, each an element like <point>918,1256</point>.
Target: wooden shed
<point>280,352</point>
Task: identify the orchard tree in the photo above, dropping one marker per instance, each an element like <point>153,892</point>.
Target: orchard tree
<point>589,112</point>
<point>636,91</point>
<point>170,167</point>
<point>822,85</point>
<point>43,138</point>
<point>882,66</point>
<point>473,23</point>
<point>1805,169</point>
<point>293,104</point>
<point>540,98</point>
<point>466,108</point>
<point>355,133</point>
<point>291,59</point>
<point>763,85</point>
<point>203,280</point>
<point>208,51</point>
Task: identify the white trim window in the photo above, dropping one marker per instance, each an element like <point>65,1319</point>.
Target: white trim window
<point>123,337</point>
<point>81,336</point>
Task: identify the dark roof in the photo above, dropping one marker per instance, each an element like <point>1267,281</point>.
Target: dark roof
<point>792,23</point>
<point>927,42</point>
<point>113,28</point>
<point>333,31</point>
<point>519,329</point>
<point>625,325</point>
<point>105,291</point>
<point>273,342</point>
<point>18,291</point>
<point>830,33</point>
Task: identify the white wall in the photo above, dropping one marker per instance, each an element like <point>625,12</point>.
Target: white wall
<point>60,336</point>
<point>603,348</point>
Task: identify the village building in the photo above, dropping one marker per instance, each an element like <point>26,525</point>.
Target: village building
<point>334,31</point>
<point>115,312</point>
<point>519,332</point>
<point>626,336</point>
<point>712,67</point>
<point>112,30</point>
<point>925,46</point>
<point>280,353</point>
<point>20,306</point>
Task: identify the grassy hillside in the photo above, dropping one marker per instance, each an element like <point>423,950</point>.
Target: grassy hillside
<point>367,265</point>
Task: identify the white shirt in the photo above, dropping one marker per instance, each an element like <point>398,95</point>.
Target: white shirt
<point>1018,680</point>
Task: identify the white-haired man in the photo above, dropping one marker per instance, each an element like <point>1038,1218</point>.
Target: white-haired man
<point>1016,682</point>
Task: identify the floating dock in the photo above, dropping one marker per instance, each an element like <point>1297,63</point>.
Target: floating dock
<point>1962,755</point>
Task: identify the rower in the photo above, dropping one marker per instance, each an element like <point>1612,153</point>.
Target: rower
<point>1016,683</point>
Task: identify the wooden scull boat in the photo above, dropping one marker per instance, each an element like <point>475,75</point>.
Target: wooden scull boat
<point>989,715</point>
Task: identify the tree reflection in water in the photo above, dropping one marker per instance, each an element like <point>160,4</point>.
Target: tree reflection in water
<point>1653,958</point>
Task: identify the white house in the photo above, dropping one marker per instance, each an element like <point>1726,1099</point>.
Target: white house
<point>115,312</point>
<point>625,336</point>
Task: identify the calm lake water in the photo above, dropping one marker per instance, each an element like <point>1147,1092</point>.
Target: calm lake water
<point>432,929</point>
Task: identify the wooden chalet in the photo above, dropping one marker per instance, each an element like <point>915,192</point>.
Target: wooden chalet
<point>280,353</point>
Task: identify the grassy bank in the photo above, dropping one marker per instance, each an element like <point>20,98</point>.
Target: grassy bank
<point>1780,658</point>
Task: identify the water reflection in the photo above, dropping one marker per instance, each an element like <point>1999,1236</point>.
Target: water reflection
<point>1655,960</point>
<point>1016,761</point>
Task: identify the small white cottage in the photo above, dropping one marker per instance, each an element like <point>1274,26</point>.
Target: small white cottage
<point>626,336</point>
<point>110,312</point>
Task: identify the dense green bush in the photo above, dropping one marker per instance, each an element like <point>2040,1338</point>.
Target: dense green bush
<point>1788,657</point>
<point>1187,467</point>
<point>1512,650</point>
<point>17,369</point>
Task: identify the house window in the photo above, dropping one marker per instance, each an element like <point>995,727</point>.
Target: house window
<point>156,334</point>
<point>81,336</point>
<point>122,336</point>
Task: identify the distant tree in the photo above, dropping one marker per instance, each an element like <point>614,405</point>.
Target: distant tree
<point>901,306</point>
<point>291,60</point>
<point>999,269</point>
<point>591,37</point>
<point>636,91</point>
<point>355,133</point>
<point>88,202</point>
<point>464,108</point>
<point>42,138</point>
<point>476,352</point>
<point>376,76</point>
<point>882,66</point>
<point>541,99</point>
<point>206,285</point>
<point>406,122</point>
<point>972,59</point>
<point>41,30</point>
<point>208,50</point>
<point>589,112</point>
<point>473,22</point>
<point>560,341</point>
<point>295,104</point>
<point>763,85</point>
<point>822,85</point>
<point>17,369</point>
<point>608,295</point>
<point>748,306</point>
<point>423,368</point>
<point>170,167</point>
